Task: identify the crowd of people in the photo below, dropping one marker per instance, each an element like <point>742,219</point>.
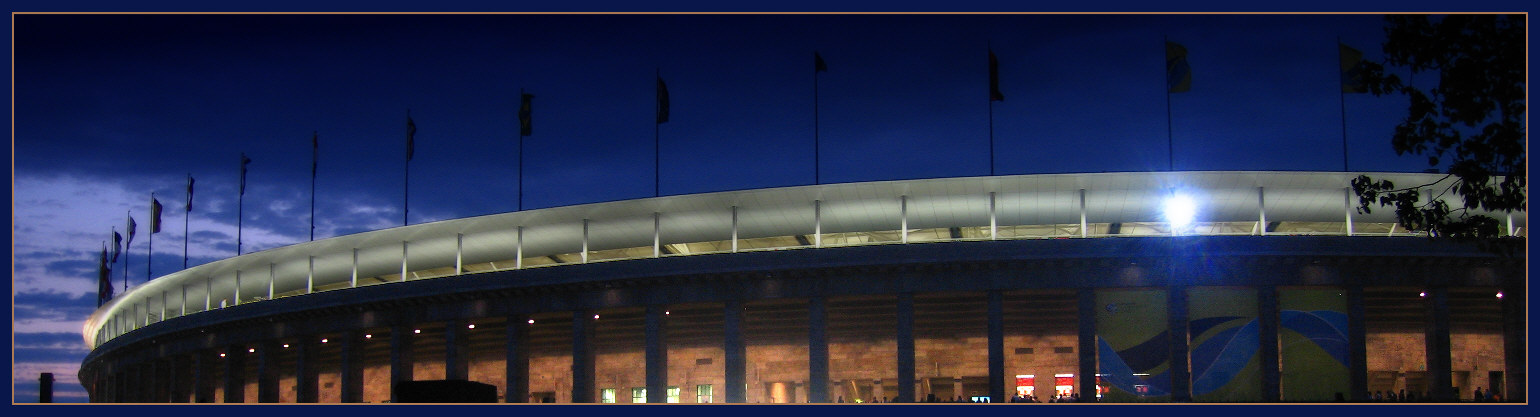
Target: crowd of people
<point>1401,396</point>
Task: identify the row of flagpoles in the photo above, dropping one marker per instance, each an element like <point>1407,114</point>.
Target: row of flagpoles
<point>1178,80</point>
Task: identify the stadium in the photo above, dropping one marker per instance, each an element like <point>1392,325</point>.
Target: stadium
<point>1207,286</point>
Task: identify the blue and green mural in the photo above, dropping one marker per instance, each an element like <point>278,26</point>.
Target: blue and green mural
<point>1313,343</point>
<point>1133,345</point>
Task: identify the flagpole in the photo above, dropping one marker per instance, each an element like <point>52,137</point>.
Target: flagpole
<point>990,48</point>
<point>1342,105</point>
<point>240,203</point>
<point>126,245</point>
<point>406,178</point>
<point>817,179</point>
<point>187,214</point>
<point>656,171</point>
<point>314,150</point>
<point>521,155</point>
<point>1170,148</point>
<point>149,258</point>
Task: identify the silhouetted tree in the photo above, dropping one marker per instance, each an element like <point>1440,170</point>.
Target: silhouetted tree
<point>1473,118</point>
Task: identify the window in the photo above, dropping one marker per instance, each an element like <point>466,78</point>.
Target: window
<point>673,395</point>
<point>638,395</point>
<point>607,396</point>
<point>703,394</point>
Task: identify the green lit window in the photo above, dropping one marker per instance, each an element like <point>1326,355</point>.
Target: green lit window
<point>607,396</point>
<point>673,395</point>
<point>638,395</point>
<point>703,394</point>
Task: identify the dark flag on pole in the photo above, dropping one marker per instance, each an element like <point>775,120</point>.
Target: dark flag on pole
<point>662,101</point>
<point>994,78</point>
<point>189,193</point>
<point>103,279</point>
<point>411,131</point>
<point>244,161</point>
<point>155,208</point>
<point>315,151</point>
<point>117,245</point>
<point>818,64</point>
<point>1178,74</point>
<point>1352,62</point>
<point>525,127</point>
<point>131,228</point>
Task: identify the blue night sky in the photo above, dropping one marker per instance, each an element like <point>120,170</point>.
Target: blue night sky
<point>112,108</point>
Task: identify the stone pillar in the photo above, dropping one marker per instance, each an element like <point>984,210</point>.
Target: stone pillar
<point>203,376</point>
<point>905,341</point>
<point>1267,339</point>
<point>996,313</point>
<point>1514,332</point>
<point>878,393</point>
<point>817,349</point>
<point>516,355</point>
<point>306,376</point>
<point>1438,348</point>
<point>267,372</point>
<point>1088,347</point>
<point>235,374</point>
<point>957,388</point>
<point>656,355</point>
<point>1358,345</point>
<point>456,350</point>
<point>1181,370</point>
<point>583,356</point>
<point>351,369</point>
<point>733,351</point>
<point>401,358</point>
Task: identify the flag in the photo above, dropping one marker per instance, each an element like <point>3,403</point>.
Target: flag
<point>411,131</point>
<point>524,113</point>
<point>1352,63</point>
<point>131,228</point>
<point>117,245</point>
<point>662,101</point>
<point>315,151</point>
<point>189,193</point>
<point>818,64</point>
<point>1178,74</point>
<point>994,78</point>
<point>244,161</point>
<point>103,280</point>
<point>154,215</point>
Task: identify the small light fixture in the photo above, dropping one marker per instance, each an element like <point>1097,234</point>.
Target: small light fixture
<point>323,340</point>
<point>531,321</point>
<point>1499,295</point>
<point>596,317</point>
<point>471,326</point>
<point>221,355</point>
<point>368,336</point>
<point>252,350</point>
<point>1422,294</point>
<point>285,345</point>
<point>665,313</point>
<point>416,331</point>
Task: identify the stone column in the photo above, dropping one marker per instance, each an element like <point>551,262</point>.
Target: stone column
<point>456,350</point>
<point>516,355</point>
<point>817,349</point>
<point>1267,339</point>
<point>996,312</point>
<point>656,355</point>
<point>734,364</point>
<point>235,374</point>
<point>306,376</point>
<point>351,368</point>
<point>905,341</point>
<point>1514,333</point>
<point>1437,343</point>
<point>1358,343</point>
<point>1181,371</point>
<point>401,358</point>
<point>1087,348</point>
<point>203,376</point>
<point>267,372</point>
<point>583,356</point>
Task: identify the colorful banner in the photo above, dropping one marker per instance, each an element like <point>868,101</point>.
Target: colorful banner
<point>1313,343</point>
<point>1223,344</point>
<point>1133,344</point>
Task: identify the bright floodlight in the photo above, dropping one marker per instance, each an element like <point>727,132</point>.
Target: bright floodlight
<point>1180,210</point>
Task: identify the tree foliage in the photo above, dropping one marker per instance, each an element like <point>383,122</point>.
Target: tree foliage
<point>1473,119</point>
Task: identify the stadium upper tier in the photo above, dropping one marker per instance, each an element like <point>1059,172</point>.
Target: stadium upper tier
<point>1053,206</point>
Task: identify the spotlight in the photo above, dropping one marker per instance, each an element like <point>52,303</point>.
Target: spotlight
<point>1180,210</point>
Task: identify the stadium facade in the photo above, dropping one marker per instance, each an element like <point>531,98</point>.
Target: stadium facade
<point>1127,287</point>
